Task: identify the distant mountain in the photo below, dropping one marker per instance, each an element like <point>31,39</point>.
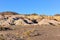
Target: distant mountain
<point>57,15</point>
<point>8,13</point>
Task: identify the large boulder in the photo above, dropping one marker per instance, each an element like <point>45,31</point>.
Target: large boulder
<point>54,22</point>
<point>43,22</point>
<point>49,22</point>
<point>27,21</point>
<point>19,22</point>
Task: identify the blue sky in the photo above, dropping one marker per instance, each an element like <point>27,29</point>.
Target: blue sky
<point>48,7</point>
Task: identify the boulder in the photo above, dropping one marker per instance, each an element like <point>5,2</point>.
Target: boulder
<point>43,22</point>
<point>27,21</point>
<point>54,22</point>
<point>49,22</point>
<point>19,22</point>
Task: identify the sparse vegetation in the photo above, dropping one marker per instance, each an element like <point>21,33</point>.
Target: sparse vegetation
<point>29,32</point>
<point>34,14</point>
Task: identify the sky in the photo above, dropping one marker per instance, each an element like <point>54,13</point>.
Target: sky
<point>47,7</point>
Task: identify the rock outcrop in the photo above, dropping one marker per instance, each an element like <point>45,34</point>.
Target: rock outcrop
<point>12,18</point>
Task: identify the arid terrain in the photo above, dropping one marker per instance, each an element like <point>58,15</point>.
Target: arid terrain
<point>14,26</point>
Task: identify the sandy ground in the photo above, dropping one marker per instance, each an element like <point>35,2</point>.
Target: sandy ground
<point>39,32</point>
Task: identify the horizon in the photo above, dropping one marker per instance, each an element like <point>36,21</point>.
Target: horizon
<point>27,14</point>
<point>47,7</point>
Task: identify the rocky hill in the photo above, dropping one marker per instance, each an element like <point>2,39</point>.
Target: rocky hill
<point>12,18</point>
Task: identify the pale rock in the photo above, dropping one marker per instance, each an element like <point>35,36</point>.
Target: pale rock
<point>43,21</point>
<point>19,22</point>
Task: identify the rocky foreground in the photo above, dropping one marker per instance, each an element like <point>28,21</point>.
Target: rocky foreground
<point>14,26</point>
